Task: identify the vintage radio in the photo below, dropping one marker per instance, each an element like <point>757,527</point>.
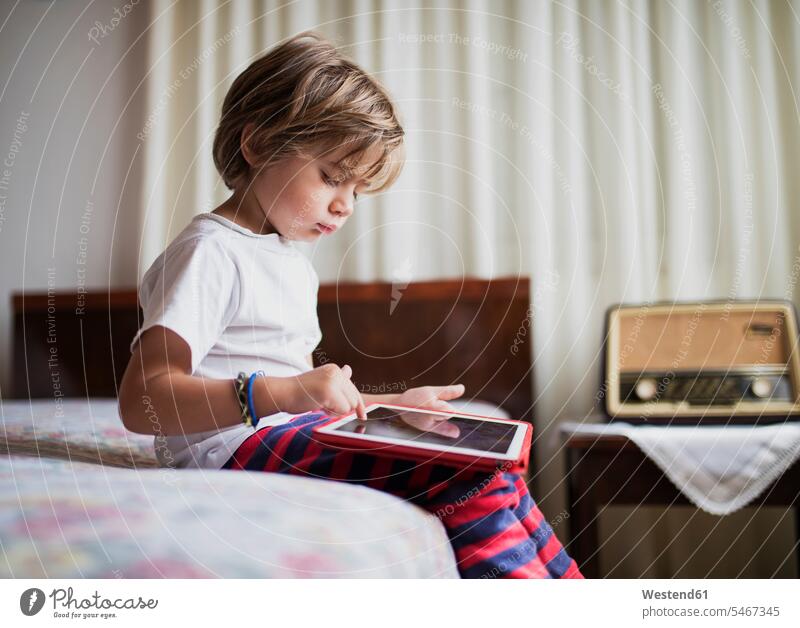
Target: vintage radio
<point>703,362</point>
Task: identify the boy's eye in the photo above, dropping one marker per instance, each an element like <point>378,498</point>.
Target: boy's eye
<point>333,182</point>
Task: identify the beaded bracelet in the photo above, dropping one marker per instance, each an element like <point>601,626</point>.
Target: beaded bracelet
<point>241,384</point>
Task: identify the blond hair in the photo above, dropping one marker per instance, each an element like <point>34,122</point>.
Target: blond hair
<point>304,98</point>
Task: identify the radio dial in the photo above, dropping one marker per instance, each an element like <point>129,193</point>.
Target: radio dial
<point>761,387</point>
<point>646,389</point>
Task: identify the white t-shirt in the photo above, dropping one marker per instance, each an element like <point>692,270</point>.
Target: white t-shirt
<point>242,302</point>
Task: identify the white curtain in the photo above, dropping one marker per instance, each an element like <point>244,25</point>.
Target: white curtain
<point>612,151</point>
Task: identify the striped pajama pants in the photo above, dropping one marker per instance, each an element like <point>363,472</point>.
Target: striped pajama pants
<point>493,524</point>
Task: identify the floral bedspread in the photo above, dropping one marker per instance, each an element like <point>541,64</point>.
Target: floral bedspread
<point>73,429</point>
<point>62,519</point>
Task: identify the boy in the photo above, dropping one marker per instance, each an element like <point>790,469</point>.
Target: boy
<point>303,131</point>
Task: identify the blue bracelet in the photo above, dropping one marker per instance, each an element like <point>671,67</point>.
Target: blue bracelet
<point>250,405</point>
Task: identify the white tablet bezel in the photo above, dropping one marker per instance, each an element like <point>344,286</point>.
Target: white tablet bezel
<point>513,452</point>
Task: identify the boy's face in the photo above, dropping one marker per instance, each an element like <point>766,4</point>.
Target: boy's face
<point>306,198</point>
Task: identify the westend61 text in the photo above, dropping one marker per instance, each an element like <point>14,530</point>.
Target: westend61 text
<point>692,594</point>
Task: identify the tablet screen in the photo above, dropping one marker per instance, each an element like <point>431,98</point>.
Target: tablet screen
<point>421,427</point>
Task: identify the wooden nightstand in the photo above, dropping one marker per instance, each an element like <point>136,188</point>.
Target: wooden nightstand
<point>605,470</point>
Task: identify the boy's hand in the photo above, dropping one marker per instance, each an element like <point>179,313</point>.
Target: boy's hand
<point>327,387</point>
<point>432,397</point>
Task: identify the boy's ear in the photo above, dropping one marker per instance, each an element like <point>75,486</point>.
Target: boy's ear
<point>247,131</point>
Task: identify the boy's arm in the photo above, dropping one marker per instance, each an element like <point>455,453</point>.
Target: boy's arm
<point>160,396</point>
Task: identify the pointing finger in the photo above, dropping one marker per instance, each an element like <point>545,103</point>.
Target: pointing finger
<point>361,410</point>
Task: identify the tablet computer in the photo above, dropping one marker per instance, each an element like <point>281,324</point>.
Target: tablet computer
<point>449,438</point>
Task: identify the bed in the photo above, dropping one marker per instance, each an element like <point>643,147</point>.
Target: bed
<point>63,519</point>
<point>82,497</point>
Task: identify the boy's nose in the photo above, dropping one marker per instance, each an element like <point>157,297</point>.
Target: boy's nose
<point>341,208</point>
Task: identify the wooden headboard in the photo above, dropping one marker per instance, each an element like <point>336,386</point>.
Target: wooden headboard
<point>475,332</point>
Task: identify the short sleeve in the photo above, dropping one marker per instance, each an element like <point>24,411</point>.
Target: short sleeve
<point>193,290</point>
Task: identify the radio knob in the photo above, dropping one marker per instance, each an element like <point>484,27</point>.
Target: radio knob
<point>646,389</point>
<point>761,387</point>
